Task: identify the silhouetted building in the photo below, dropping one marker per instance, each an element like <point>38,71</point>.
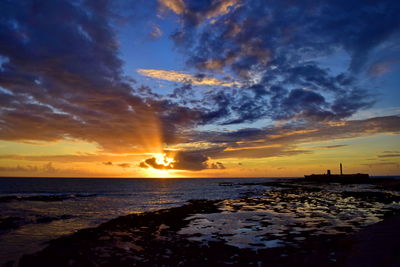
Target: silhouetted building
<point>339,178</point>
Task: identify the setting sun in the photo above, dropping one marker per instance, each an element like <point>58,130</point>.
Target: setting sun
<point>159,166</point>
<point>164,160</point>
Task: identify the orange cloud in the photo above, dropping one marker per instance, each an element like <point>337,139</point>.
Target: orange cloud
<point>177,6</point>
<point>175,76</point>
<point>216,9</point>
<point>251,147</point>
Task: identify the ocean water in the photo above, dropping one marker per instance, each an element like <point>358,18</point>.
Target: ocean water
<point>36,210</point>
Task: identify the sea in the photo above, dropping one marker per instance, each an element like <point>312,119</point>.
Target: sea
<point>34,211</point>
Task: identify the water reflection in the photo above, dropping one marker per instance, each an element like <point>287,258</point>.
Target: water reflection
<point>287,217</point>
<point>42,209</point>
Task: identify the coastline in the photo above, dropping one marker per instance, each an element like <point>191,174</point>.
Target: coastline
<point>197,233</point>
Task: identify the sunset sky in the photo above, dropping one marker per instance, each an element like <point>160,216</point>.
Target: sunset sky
<point>190,88</point>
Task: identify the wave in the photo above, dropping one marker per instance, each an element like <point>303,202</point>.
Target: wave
<point>13,222</point>
<point>43,197</point>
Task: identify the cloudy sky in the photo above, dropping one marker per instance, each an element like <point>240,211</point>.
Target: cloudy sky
<point>189,88</point>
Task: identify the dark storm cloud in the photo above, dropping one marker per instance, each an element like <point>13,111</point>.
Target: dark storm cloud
<point>62,70</point>
<point>281,42</point>
<point>60,77</point>
<point>190,160</point>
<point>315,27</point>
<point>300,100</point>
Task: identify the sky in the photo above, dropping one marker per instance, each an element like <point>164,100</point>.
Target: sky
<point>189,88</point>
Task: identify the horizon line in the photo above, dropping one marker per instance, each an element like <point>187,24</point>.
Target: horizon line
<point>236,177</point>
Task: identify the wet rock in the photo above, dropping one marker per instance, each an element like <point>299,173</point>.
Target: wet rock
<point>9,223</point>
<point>302,225</point>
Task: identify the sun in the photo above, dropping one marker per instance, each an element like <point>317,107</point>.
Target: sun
<point>164,160</point>
<point>163,167</point>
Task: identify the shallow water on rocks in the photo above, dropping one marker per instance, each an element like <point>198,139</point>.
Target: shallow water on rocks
<point>286,217</point>
<point>36,210</point>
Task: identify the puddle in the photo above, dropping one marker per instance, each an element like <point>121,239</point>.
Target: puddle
<point>287,217</point>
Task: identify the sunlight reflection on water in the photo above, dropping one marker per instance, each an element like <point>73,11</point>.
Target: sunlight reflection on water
<point>256,222</point>
<point>70,204</point>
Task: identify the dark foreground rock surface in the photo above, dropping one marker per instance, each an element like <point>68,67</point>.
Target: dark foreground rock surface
<point>298,224</point>
<point>376,245</point>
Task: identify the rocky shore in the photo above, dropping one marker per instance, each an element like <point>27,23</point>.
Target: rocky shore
<point>290,224</point>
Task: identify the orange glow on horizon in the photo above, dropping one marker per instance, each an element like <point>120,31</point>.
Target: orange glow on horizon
<point>157,173</point>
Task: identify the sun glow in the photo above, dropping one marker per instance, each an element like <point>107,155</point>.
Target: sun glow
<point>156,173</point>
<point>160,166</point>
<point>163,159</point>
